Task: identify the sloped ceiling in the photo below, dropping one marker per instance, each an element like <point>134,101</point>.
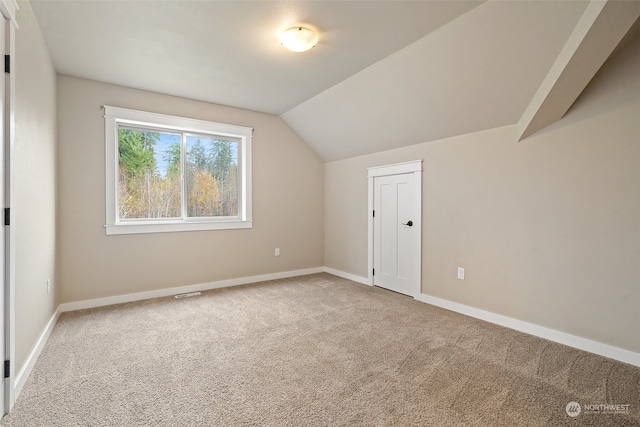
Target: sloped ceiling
<point>385,74</point>
<point>228,52</point>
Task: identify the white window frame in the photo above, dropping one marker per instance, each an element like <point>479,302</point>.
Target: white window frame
<point>113,116</point>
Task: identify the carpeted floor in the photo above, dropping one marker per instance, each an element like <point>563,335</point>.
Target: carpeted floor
<point>311,351</point>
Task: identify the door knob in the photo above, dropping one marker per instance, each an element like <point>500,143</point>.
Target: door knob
<point>409,223</point>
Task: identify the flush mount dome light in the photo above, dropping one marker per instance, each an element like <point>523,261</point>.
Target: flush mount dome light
<point>299,39</point>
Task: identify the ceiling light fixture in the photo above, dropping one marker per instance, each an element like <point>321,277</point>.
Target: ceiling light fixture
<point>299,39</point>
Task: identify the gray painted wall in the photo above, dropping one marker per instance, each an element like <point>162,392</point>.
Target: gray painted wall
<point>34,185</point>
<point>288,203</point>
<point>547,229</point>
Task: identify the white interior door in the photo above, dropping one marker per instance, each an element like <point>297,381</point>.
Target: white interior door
<point>396,232</point>
<point>4,390</point>
<point>7,247</point>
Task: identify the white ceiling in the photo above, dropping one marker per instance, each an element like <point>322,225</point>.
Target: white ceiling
<point>227,52</point>
<point>385,74</point>
<point>478,72</point>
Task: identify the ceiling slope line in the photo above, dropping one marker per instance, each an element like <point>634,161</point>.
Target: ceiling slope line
<point>598,32</point>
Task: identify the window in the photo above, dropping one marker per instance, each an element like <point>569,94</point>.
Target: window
<point>166,173</point>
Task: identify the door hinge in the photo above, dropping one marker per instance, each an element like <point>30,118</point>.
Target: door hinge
<point>7,368</point>
<point>7,63</point>
<point>373,273</point>
<point>374,214</point>
<point>7,216</point>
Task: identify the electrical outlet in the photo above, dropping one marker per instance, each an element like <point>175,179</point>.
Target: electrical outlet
<point>461,273</point>
<point>48,286</point>
<point>277,252</point>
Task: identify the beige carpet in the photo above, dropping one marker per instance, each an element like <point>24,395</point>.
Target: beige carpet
<point>310,351</point>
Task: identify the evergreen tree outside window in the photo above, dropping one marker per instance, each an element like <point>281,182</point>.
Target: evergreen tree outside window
<point>167,173</point>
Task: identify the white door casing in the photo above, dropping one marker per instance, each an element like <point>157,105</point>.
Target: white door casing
<point>395,195</point>
<point>8,9</point>
<point>4,390</point>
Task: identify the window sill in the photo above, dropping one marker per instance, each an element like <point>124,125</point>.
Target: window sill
<point>142,228</point>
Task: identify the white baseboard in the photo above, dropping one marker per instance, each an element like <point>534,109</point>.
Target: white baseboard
<point>348,276</point>
<point>580,343</point>
<point>139,296</point>
<point>22,376</point>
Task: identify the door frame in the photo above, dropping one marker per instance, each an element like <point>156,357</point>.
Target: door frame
<point>8,9</point>
<point>412,167</point>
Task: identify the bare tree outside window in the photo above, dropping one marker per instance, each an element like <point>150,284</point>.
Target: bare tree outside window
<point>151,168</point>
<point>172,174</point>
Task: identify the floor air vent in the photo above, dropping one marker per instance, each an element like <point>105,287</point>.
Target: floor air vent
<point>190,294</point>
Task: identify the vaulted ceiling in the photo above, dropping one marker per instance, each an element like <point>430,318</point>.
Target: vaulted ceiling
<point>385,74</point>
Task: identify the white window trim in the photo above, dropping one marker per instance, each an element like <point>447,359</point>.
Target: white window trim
<point>115,115</point>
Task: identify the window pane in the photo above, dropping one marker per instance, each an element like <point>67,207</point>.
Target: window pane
<point>211,177</point>
<point>149,174</point>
